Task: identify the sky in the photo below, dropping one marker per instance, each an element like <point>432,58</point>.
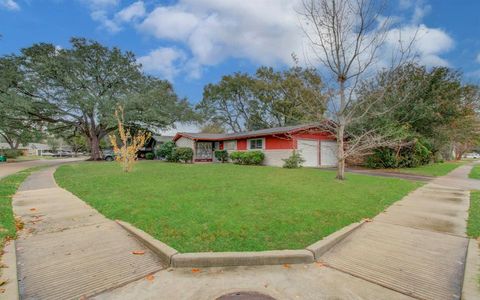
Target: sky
<point>196,42</point>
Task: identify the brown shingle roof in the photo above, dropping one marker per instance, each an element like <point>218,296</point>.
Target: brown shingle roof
<point>247,134</point>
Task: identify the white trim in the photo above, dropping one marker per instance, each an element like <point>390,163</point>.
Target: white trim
<point>263,144</point>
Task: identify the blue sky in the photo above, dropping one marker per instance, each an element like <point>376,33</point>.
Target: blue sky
<point>195,42</point>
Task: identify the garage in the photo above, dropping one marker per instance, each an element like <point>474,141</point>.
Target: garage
<point>308,149</point>
<point>318,153</point>
<point>328,153</point>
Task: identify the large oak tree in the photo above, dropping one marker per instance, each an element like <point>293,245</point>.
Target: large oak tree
<point>80,88</point>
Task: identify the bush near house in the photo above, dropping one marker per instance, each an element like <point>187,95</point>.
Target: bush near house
<point>221,155</point>
<point>167,151</point>
<point>247,157</point>
<point>294,161</point>
<point>418,154</point>
<point>183,154</point>
<point>149,156</point>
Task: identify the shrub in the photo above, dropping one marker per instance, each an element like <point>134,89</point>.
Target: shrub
<point>294,161</point>
<point>248,157</point>
<point>149,155</point>
<point>183,154</point>
<point>221,155</point>
<point>415,155</point>
<point>10,153</point>
<point>382,158</point>
<point>167,151</point>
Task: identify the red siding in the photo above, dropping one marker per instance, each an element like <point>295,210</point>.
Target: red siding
<point>282,142</point>
<point>278,142</point>
<point>242,144</point>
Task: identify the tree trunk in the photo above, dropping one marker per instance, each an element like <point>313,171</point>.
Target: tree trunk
<point>95,153</point>
<point>341,130</point>
<point>340,152</point>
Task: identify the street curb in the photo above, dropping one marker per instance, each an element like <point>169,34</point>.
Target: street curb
<point>328,242</point>
<point>254,258</point>
<point>9,259</point>
<point>471,287</point>
<point>173,258</point>
<point>164,251</point>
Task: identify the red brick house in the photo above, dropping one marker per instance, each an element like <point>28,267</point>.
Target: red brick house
<point>317,146</point>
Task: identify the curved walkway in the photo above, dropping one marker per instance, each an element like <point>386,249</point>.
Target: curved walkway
<point>67,250</point>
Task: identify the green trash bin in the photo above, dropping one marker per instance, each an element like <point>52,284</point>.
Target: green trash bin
<point>3,158</point>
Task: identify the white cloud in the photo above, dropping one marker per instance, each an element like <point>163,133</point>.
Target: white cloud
<point>9,5</point>
<point>263,32</point>
<point>132,12</point>
<point>100,10</point>
<point>164,61</point>
<point>430,43</point>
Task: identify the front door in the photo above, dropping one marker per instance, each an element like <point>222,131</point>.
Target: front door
<point>203,151</point>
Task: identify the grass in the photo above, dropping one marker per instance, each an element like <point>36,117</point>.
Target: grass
<point>8,187</point>
<point>436,169</point>
<point>224,207</point>
<point>473,228</point>
<point>475,173</point>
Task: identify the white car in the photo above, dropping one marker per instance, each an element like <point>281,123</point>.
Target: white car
<point>473,155</point>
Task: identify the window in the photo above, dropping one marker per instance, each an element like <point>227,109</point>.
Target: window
<point>230,145</point>
<point>255,144</point>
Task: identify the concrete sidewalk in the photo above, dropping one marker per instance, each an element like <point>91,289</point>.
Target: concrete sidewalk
<point>67,250</point>
<point>415,250</point>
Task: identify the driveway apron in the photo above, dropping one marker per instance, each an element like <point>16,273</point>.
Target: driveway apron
<point>67,250</point>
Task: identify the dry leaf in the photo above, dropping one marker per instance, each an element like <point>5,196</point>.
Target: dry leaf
<point>138,252</point>
<point>286,266</point>
<point>83,298</point>
<point>2,291</point>
<point>33,209</point>
<point>150,277</point>
<point>2,282</point>
<point>196,270</point>
<point>367,220</point>
<point>320,264</point>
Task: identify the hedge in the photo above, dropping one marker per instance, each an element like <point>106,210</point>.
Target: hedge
<point>247,157</point>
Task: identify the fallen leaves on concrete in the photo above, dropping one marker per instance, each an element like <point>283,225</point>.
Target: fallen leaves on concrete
<point>196,270</point>
<point>150,277</point>
<point>138,252</point>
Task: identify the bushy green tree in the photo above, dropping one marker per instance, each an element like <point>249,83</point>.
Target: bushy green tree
<point>269,98</point>
<point>80,87</point>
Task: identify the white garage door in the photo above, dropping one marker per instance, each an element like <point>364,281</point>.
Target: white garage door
<point>328,154</point>
<point>308,149</point>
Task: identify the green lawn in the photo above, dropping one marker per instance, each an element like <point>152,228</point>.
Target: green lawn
<point>225,207</point>
<point>436,169</point>
<point>473,228</point>
<point>475,173</point>
<point>8,187</point>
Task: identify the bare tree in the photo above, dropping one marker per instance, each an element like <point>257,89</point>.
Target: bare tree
<point>346,38</point>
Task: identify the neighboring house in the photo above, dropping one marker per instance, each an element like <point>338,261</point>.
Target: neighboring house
<point>30,148</point>
<point>316,145</point>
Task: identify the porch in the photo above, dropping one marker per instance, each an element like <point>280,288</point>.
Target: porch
<point>204,150</point>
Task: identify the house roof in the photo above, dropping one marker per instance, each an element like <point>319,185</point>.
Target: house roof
<point>247,134</point>
<point>162,138</point>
